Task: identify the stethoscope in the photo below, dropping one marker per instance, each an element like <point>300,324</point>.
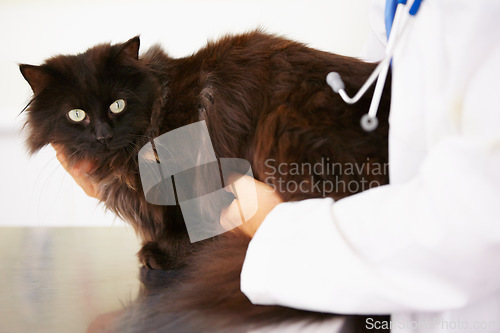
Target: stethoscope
<point>369,121</point>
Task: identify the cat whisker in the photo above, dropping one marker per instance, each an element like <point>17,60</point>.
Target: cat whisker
<point>46,183</point>
<point>134,94</point>
<point>132,154</point>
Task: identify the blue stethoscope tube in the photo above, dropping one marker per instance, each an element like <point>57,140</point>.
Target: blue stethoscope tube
<point>369,121</point>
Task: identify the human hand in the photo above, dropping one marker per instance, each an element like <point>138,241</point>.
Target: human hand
<point>79,172</point>
<point>245,189</point>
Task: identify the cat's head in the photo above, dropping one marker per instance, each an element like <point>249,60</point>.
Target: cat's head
<point>96,104</point>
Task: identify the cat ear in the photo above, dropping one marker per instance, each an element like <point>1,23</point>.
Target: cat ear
<point>130,49</point>
<point>35,75</point>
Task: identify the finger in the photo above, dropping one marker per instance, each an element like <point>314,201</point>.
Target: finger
<point>78,172</point>
<point>231,216</point>
<point>230,181</point>
<point>61,157</point>
<point>57,147</point>
<point>59,150</point>
<point>82,180</point>
<point>85,166</point>
<point>247,188</point>
<point>238,182</point>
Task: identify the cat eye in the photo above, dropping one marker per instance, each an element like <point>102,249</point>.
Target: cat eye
<point>117,106</point>
<point>77,115</point>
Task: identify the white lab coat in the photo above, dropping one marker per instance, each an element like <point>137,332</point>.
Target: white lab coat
<point>425,248</point>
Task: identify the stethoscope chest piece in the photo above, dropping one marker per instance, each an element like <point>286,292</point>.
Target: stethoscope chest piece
<point>369,123</point>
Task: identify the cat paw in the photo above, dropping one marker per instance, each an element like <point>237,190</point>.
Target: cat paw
<point>153,257</point>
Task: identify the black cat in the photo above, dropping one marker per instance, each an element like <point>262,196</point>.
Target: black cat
<point>263,98</point>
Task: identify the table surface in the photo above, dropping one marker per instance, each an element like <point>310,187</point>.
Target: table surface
<point>61,279</point>
<point>83,280</point>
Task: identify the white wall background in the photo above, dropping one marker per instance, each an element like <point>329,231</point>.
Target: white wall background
<point>35,190</point>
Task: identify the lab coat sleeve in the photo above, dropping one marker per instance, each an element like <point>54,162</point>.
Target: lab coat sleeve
<point>428,245</point>
<point>431,243</point>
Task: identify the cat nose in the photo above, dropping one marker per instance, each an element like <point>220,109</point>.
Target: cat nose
<point>104,138</point>
<point>103,132</point>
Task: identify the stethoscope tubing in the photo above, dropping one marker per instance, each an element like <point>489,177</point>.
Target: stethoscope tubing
<point>369,121</point>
